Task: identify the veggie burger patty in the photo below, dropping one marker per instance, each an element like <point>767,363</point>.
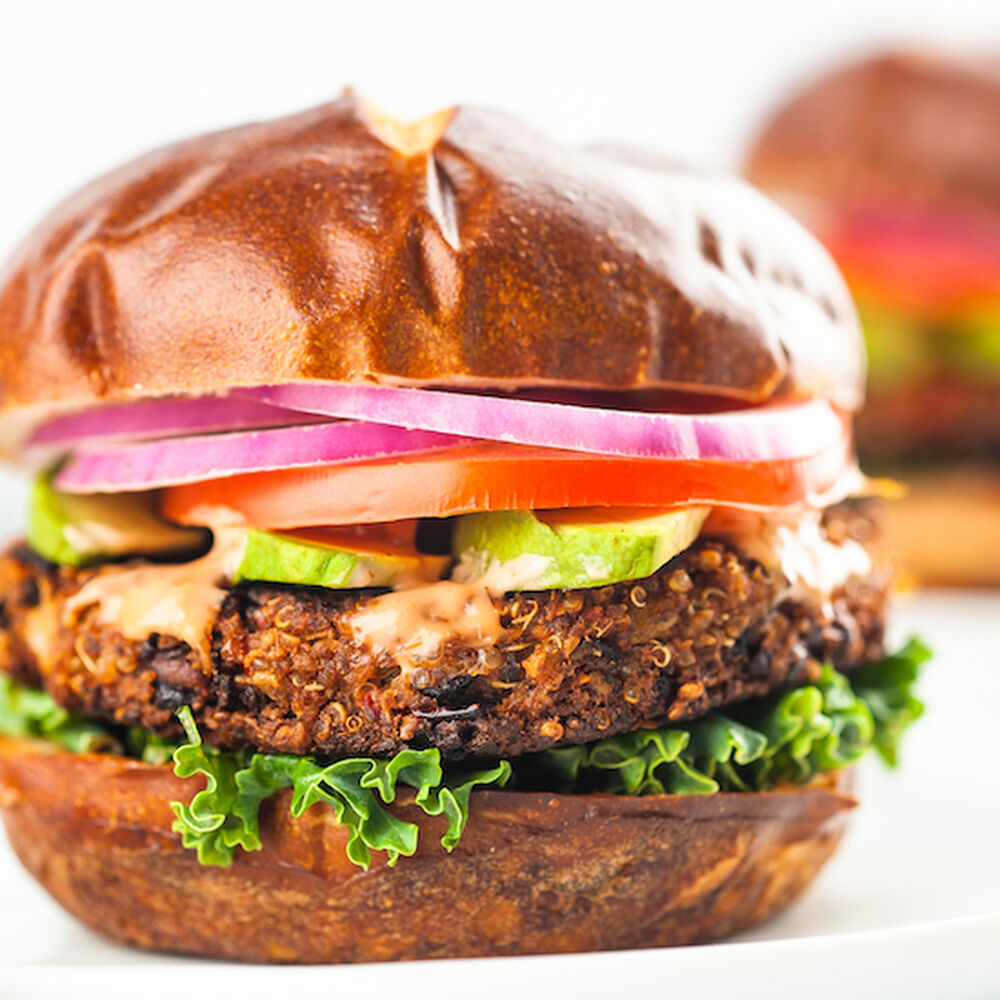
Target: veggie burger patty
<point>285,673</point>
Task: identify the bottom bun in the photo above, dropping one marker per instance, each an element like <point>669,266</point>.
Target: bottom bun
<point>947,529</point>
<point>533,873</point>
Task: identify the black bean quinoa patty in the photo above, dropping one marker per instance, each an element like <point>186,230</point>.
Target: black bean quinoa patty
<point>708,629</point>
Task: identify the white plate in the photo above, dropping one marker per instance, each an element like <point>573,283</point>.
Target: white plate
<point>909,908</point>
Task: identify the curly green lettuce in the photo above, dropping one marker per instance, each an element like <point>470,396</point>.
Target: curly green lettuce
<point>787,737</point>
<point>886,687</point>
<point>224,815</point>
<point>27,712</point>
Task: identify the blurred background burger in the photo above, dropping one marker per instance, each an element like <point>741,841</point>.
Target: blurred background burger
<point>894,162</point>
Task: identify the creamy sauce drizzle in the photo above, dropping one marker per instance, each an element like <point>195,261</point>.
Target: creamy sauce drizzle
<point>796,546</point>
<point>412,625</point>
<point>181,601</point>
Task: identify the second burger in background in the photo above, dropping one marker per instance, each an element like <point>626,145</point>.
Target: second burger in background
<point>894,162</point>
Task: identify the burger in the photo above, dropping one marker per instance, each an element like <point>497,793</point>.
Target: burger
<point>443,543</point>
<point>894,162</point>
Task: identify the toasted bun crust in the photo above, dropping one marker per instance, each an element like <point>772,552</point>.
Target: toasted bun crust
<point>900,127</point>
<point>462,250</point>
<point>533,872</point>
<point>947,529</point>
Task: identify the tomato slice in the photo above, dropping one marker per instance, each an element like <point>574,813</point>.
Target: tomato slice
<point>494,476</point>
<point>933,275</point>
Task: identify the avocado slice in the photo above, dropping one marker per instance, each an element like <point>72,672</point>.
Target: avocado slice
<point>573,548</point>
<point>80,530</point>
<point>334,559</point>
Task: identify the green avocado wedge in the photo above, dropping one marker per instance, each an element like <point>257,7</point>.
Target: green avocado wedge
<point>79,530</point>
<point>308,560</point>
<point>573,549</point>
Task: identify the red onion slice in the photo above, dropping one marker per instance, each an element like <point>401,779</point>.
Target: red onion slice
<point>777,431</point>
<point>163,418</point>
<point>172,462</point>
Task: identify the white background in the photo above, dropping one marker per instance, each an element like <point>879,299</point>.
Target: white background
<point>85,85</point>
